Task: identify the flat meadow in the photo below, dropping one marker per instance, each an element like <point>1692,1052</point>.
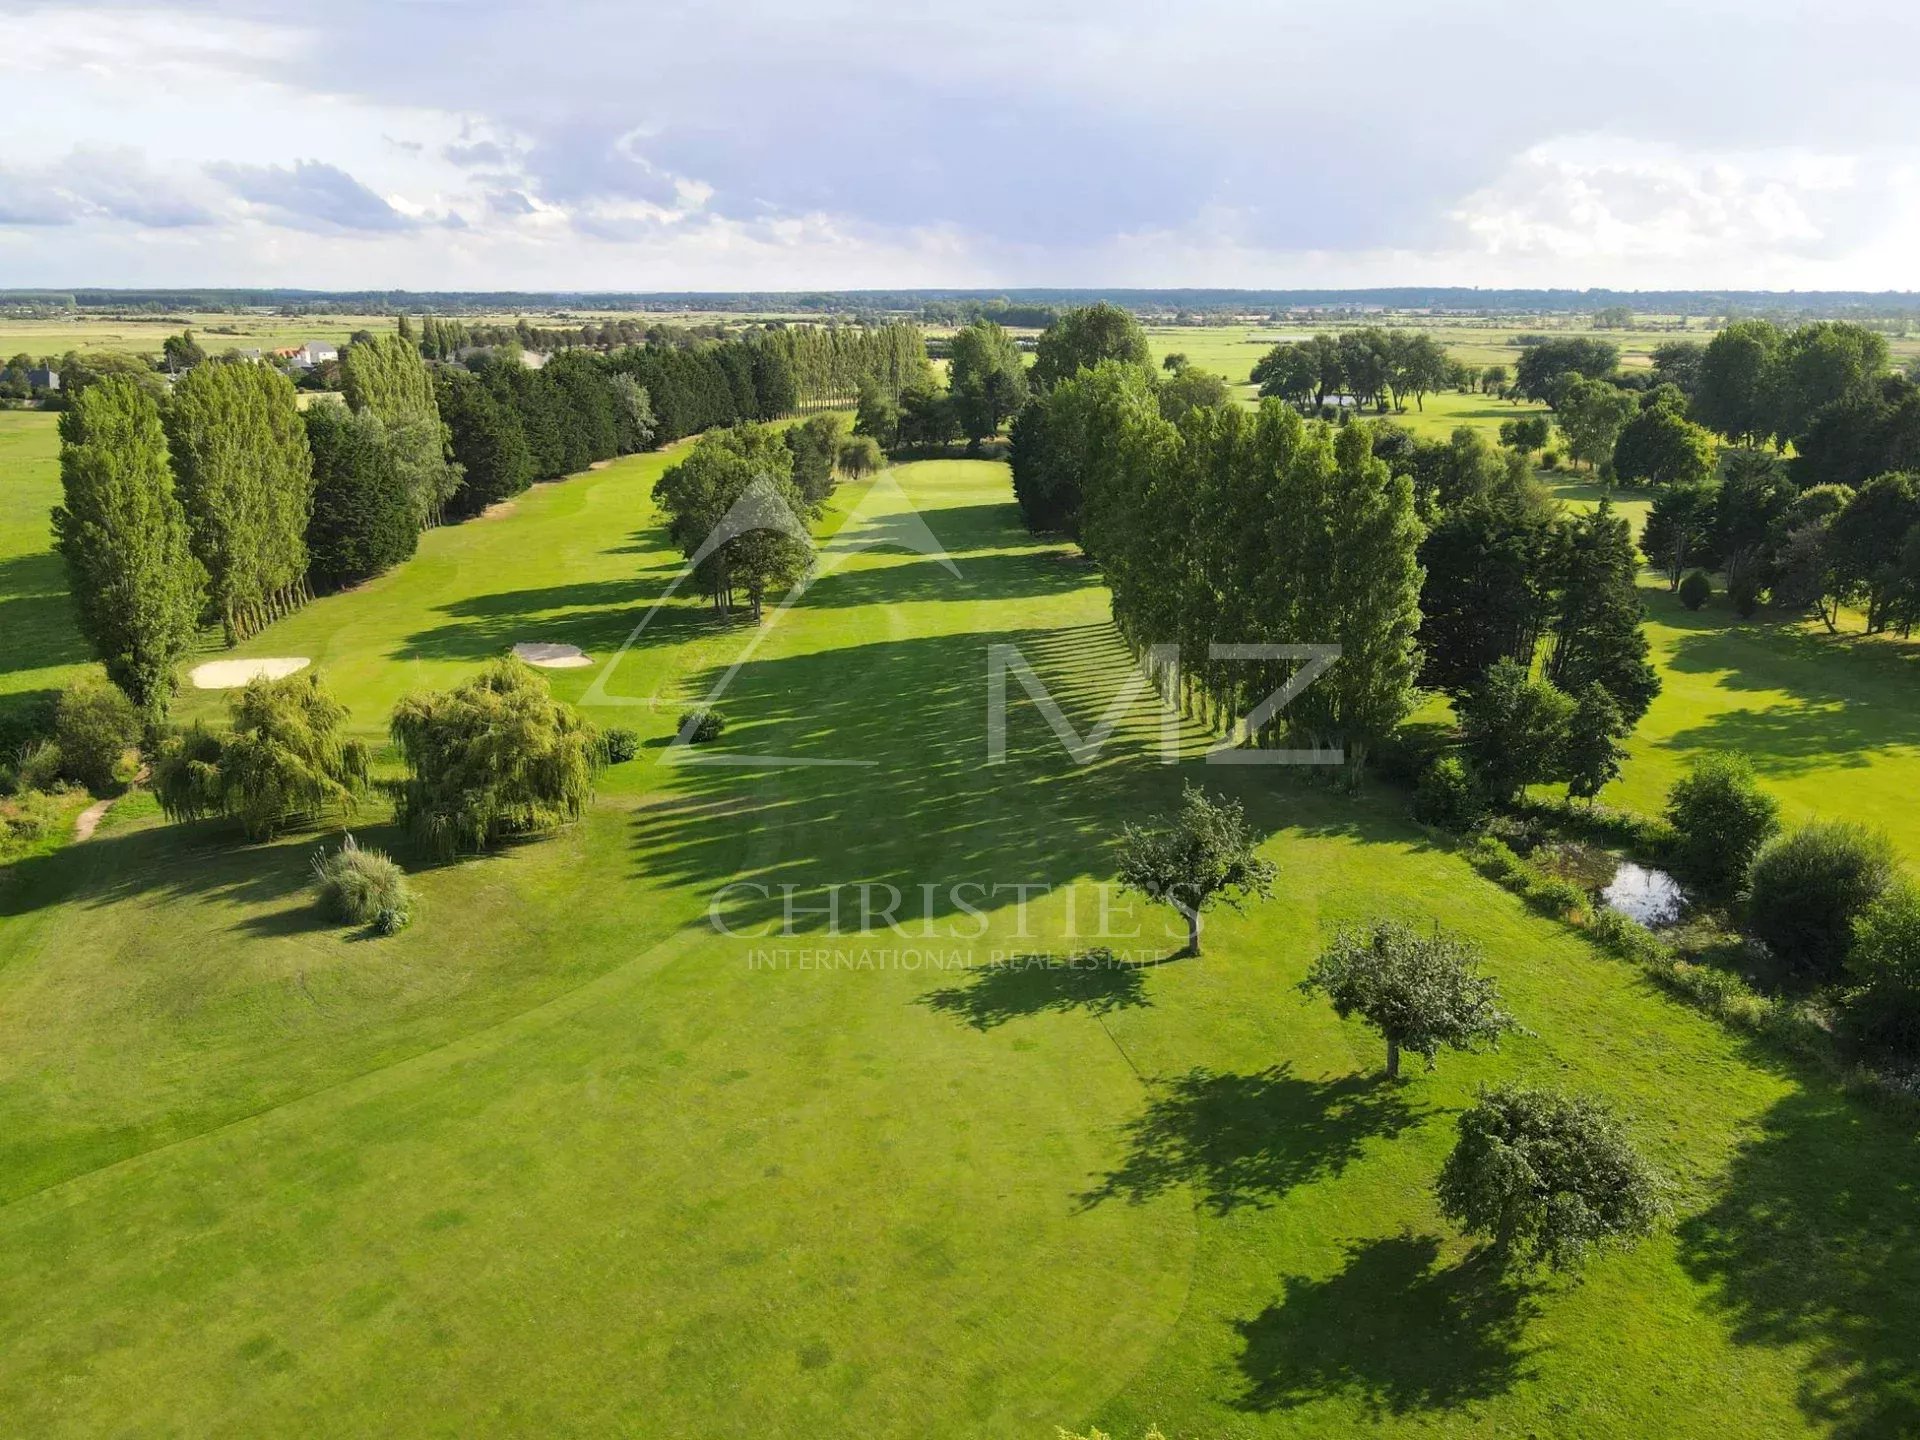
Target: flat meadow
<point>565,1156</point>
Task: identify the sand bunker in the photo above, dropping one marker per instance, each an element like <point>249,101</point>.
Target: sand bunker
<point>231,674</point>
<point>551,657</point>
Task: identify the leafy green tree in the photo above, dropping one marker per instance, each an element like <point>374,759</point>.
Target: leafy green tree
<point>1526,433</point>
<point>877,416</point>
<point>1824,363</point>
<point>986,378</point>
<point>493,758</point>
<point>1547,367</point>
<point>732,507</point>
<point>1808,887</point>
<point>1489,572</point>
<point>1292,372</point>
<point>1660,446</point>
<point>1720,817</point>
<point>94,724</point>
<point>1547,1178</point>
<point>815,444</point>
<point>1866,543</point>
<point>1680,529</point>
<point>1421,991</point>
<point>633,410</point>
<point>1597,635</point>
<point>286,761</point>
<point>1677,363</point>
<point>1733,389</point>
<point>136,584</point>
<point>928,418</point>
<point>487,442</point>
<point>1593,753</point>
<point>1515,730</point>
<point>1208,853</point>
<point>1187,387</point>
<point>1373,604</point>
<point>1884,963</point>
<point>244,473</point>
<point>1592,414</point>
<point>386,377</point>
<point>1493,379</point>
<point>860,456</point>
<point>1081,338</point>
<point>1853,439</point>
<point>180,353</point>
<point>363,518</point>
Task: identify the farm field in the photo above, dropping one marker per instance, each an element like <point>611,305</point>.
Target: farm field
<point>601,1168</point>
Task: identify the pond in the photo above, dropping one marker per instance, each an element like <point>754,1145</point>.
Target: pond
<point>1653,897</point>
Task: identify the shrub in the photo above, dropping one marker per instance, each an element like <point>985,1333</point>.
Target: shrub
<point>1810,886</point>
<point>31,815</point>
<point>1721,817</point>
<point>1885,963</point>
<point>94,723</point>
<point>1744,591</point>
<point>38,767</point>
<point>362,887</point>
<point>1547,1178</point>
<point>1695,589</point>
<point>1549,459</point>
<point>619,745</point>
<point>1448,797</point>
<point>496,757</point>
<point>701,724</point>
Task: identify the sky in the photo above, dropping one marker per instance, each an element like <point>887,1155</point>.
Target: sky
<point>827,144</point>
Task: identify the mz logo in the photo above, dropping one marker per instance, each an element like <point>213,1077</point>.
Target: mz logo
<point>1004,660</point>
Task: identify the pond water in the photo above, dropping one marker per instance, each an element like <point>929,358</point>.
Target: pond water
<point>1653,897</point>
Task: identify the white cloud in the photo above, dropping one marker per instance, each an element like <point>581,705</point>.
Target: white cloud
<point>855,143</point>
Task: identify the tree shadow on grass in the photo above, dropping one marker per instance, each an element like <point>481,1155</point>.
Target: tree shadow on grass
<point>1095,983</point>
<point>1814,1243</point>
<point>1243,1140</point>
<point>1389,1331</point>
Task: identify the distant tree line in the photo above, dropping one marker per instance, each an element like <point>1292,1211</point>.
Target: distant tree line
<point>1373,366</point>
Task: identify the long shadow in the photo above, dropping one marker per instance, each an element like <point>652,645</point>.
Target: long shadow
<point>36,615</point>
<point>1814,1244</point>
<point>1243,1140</point>
<point>1037,985</point>
<point>1389,1331</point>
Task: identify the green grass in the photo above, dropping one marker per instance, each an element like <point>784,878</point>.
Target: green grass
<point>40,648</point>
<point>560,1158</point>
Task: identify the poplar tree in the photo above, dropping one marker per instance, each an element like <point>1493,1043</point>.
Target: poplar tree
<point>244,474</point>
<point>387,378</point>
<point>135,582</point>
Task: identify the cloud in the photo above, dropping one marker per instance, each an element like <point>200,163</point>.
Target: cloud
<point>1035,141</point>
<point>478,153</point>
<point>310,195</point>
<point>103,185</point>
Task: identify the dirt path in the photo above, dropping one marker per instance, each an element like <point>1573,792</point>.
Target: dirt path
<point>88,820</point>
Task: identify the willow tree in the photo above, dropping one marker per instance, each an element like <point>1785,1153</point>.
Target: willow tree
<point>131,570</point>
<point>386,377</point>
<point>287,760</point>
<point>244,473</point>
<point>494,758</point>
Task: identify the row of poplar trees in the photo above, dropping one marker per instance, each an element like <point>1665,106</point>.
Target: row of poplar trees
<point>1218,526</point>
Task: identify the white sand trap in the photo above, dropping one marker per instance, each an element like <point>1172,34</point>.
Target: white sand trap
<point>551,657</point>
<point>232,674</point>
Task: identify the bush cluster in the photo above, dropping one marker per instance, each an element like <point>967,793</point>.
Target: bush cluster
<point>362,887</point>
